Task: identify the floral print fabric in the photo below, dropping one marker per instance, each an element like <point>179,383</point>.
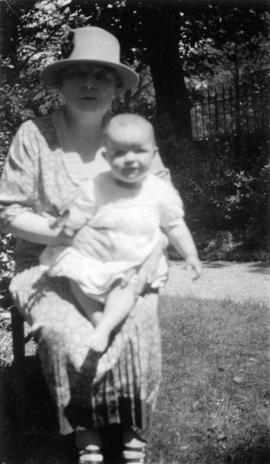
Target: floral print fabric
<point>121,386</point>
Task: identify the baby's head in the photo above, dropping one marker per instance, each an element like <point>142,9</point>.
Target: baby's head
<point>129,147</point>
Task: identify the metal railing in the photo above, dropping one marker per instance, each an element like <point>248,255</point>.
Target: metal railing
<point>230,110</point>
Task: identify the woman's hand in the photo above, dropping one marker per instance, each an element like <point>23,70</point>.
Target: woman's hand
<point>22,287</point>
<point>94,242</point>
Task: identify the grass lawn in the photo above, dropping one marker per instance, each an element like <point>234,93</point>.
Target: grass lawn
<point>212,407</point>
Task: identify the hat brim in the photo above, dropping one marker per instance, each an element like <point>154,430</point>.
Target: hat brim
<point>128,77</point>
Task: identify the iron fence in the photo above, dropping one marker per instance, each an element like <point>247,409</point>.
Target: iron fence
<point>230,110</point>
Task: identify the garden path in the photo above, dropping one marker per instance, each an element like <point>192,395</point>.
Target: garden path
<point>222,279</point>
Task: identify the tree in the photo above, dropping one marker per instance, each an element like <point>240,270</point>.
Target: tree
<point>150,33</point>
<point>175,39</point>
<point>162,55</point>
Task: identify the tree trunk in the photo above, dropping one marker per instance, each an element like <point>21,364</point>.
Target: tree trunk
<point>161,37</point>
<point>10,13</point>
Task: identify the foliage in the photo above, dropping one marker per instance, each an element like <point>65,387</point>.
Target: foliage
<point>206,31</point>
<point>7,246</point>
<point>229,36</point>
<point>224,185</point>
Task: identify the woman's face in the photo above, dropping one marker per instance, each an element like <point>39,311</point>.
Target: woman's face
<point>89,87</point>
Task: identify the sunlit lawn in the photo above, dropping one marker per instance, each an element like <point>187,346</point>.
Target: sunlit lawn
<point>212,407</point>
<point>213,402</point>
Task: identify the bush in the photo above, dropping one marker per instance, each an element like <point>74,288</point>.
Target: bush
<point>224,185</point>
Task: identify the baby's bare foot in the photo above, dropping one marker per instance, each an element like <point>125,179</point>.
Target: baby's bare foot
<point>99,340</point>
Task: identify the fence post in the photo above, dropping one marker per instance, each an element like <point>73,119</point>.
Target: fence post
<point>232,110</point>
<point>247,106</point>
<point>216,113</point>
<point>209,113</point>
<point>224,107</point>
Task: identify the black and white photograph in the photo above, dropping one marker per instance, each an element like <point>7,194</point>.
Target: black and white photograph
<point>156,110</point>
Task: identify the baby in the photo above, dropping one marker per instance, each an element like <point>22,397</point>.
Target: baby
<point>131,207</point>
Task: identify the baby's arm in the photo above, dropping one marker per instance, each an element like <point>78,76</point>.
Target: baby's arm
<point>172,221</point>
<point>180,237</point>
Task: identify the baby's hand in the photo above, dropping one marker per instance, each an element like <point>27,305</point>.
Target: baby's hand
<point>74,221</point>
<point>195,265</point>
<point>69,222</point>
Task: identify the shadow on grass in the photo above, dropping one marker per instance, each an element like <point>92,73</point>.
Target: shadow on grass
<point>29,427</point>
<point>41,448</point>
<point>29,435</point>
<point>259,453</point>
<point>253,451</point>
<point>206,264</point>
<point>259,267</point>
<point>263,268</point>
<point>254,267</point>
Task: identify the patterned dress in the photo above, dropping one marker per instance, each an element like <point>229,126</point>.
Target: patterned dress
<point>121,386</point>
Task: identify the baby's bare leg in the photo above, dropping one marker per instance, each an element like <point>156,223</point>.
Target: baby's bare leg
<point>92,309</point>
<point>117,307</point>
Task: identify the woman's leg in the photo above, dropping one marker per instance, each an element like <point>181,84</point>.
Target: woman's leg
<point>63,334</point>
<point>134,448</point>
<point>133,381</point>
<point>88,443</point>
<point>121,386</point>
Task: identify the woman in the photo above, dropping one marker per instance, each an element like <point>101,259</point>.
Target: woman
<point>48,160</point>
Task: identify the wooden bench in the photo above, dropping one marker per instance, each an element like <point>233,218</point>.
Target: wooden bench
<point>18,341</point>
<point>27,376</point>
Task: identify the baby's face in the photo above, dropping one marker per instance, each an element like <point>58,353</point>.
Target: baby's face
<point>130,152</point>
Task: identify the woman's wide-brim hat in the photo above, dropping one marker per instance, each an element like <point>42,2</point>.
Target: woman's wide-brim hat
<point>90,45</point>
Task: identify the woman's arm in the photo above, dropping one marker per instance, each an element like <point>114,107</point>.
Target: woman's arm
<point>19,183</point>
<point>37,229</point>
<point>34,228</point>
